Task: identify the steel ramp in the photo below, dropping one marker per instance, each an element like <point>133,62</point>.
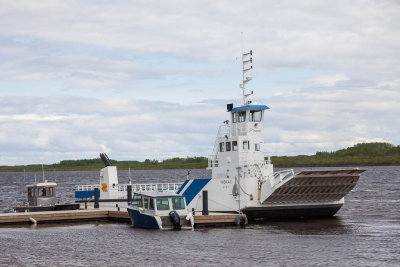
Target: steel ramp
<point>315,186</point>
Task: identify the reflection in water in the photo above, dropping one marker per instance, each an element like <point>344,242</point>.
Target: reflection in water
<point>329,226</point>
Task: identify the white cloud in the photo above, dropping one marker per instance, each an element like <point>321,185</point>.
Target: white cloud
<point>329,80</point>
<point>298,123</point>
<point>142,79</point>
<point>327,120</point>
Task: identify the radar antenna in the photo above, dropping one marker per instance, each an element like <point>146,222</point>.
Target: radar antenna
<point>246,58</point>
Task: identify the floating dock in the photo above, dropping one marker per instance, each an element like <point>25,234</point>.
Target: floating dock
<point>64,216</point>
<point>109,214</point>
<point>219,219</point>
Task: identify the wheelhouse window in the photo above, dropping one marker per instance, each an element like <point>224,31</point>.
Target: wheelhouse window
<point>242,116</point>
<point>151,204</point>
<point>137,201</point>
<point>162,204</point>
<point>228,146</point>
<point>178,203</point>
<point>234,146</point>
<point>257,147</point>
<point>246,145</point>
<point>31,192</point>
<point>45,192</point>
<point>255,115</point>
<point>234,117</point>
<point>221,147</point>
<point>146,202</point>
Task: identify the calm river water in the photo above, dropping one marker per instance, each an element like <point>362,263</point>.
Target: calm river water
<point>365,232</point>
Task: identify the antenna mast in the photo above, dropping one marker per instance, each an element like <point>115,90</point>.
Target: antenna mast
<point>246,58</point>
<point>43,172</point>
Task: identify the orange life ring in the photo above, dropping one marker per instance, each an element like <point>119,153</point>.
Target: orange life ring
<point>104,187</point>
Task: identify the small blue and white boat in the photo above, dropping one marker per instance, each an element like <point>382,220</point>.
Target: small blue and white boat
<point>156,210</point>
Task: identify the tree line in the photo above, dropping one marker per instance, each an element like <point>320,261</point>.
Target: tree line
<point>365,154</point>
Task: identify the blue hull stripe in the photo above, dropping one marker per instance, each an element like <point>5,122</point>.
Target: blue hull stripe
<point>85,194</point>
<point>183,186</point>
<point>194,188</point>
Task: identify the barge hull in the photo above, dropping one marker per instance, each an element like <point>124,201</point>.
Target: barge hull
<point>291,212</point>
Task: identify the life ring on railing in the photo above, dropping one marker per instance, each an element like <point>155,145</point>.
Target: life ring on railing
<point>104,187</point>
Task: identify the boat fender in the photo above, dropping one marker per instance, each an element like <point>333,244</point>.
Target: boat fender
<point>175,219</point>
<point>32,220</point>
<point>235,190</point>
<point>241,220</point>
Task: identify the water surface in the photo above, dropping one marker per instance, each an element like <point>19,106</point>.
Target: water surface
<point>365,232</point>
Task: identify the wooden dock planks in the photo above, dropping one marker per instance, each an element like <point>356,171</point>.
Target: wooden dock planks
<point>217,219</point>
<point>104,214</point>
<point>55,216</point>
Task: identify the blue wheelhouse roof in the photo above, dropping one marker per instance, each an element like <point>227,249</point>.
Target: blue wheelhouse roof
<point>249,107</point>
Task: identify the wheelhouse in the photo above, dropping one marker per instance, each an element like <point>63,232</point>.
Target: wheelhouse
<point>42,194</point>
<point>160,204</point>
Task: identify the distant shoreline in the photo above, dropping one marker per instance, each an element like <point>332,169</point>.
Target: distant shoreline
<point>366,154</point>
<point>4,169</point>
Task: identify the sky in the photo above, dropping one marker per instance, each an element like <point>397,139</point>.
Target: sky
<point>151,79</point>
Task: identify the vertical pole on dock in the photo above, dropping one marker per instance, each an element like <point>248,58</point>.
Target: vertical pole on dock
<point>96,198</point>
<point>205,202</point>
<point>129,197</point>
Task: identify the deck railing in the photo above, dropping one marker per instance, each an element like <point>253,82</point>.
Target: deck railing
<point>121,189</point>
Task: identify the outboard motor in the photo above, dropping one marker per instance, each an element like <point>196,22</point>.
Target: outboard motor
<point>175,219</point>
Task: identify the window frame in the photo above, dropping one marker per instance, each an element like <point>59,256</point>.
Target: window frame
<point>146,205</point>
<point>257,145</point>
<point>234,145</point>
<point>163,205</point>
<point>247,148</point>
<point>151,203</point>
<point>228,146</point>
<point>137,197</point>
<point>234,117</point>
<point>181,203</point>
<point>242,116</point>
<point>222,147</point>
<point>252,117</point>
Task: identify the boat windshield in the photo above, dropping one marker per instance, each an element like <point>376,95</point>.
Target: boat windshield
<point>178,203</point>
<point>162,204</point>
<point>137,201</point>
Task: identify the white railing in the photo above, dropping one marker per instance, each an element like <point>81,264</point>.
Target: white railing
<point>235,129</point>
<point>212,161</point>
<point>255,170</point>
<point>86,187</point>
<point>160,187</point>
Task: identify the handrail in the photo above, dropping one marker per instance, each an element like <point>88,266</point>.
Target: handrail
<point>282,176</point>
<point>136,187</point>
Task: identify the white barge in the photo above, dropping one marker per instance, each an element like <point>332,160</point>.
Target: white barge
<point>243,180</point>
